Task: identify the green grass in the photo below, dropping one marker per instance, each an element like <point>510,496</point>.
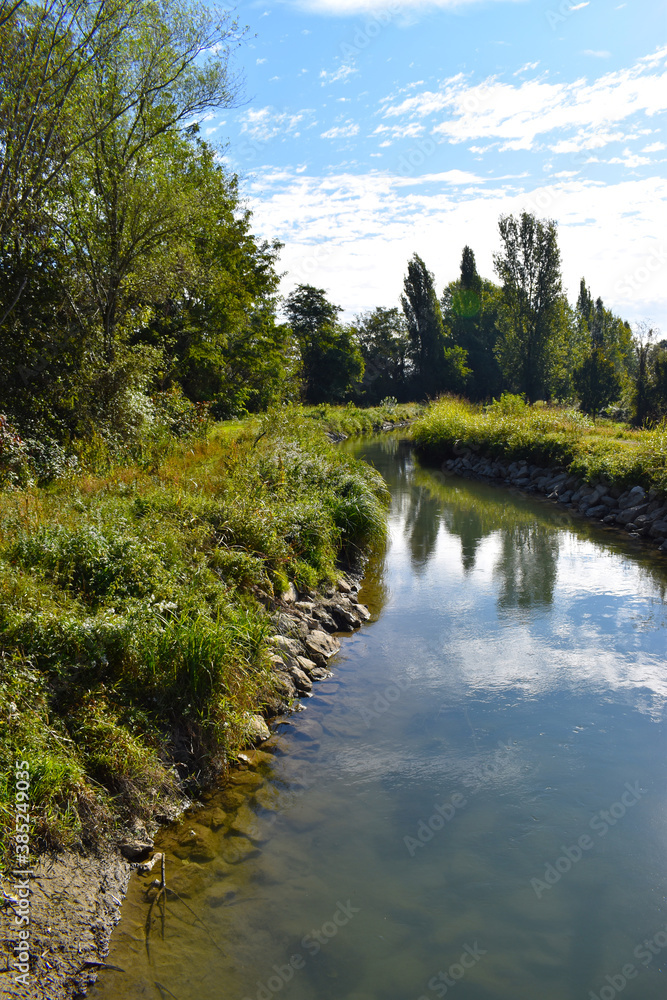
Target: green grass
<point>352,420</point>
<point>508,429</point>
<point>133,616</point>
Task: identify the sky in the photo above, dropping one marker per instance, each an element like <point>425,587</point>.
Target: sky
<point>372,129</point>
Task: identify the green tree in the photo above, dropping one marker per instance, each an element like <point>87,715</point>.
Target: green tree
<point>529,267</point>
<point>596,381</point>
<point>470,314</point>
<point>332,364</point>
<point>439,367</point>
<point>385,348</point>
<point>215,318</point>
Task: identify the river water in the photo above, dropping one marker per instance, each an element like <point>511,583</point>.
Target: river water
<point>473,805</point>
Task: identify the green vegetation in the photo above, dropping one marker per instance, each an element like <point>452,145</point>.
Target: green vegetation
<point>351,420</point>
<point>557,436</point>
<point>135,609</point>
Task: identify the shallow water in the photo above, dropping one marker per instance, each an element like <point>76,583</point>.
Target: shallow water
<point>472,805</point>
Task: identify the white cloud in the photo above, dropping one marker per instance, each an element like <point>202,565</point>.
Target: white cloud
<point>597,53</point>
<point>523,69</point>
<point>517,114</point>
<point>344,72</point>
<point>341,131</point>
<point>630,160</point>
<point>265,124</point>
<point>579,6</point>
<point>259,62</point>
<point>655,147</point>
<point>354,234</point>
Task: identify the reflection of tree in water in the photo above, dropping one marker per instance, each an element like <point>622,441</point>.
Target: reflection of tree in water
<point>527,566</point>
<point>422,524</point>
<point>468,524</point>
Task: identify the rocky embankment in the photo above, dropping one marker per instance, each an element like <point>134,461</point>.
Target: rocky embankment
<point>304,643</point>
<point>641,513</point>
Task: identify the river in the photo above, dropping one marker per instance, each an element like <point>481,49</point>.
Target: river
<point>473,805</point>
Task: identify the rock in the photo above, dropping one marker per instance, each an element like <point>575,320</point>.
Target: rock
<point>663,547</point>
<point>599,511</point>
<point>301,679</point>
<point>290,595</point>
<point>247,824</point>
<point>632,498</point>
<point>343,614</point>
<point>324,619</point>
<point>362,611</point>
<point>308,666</point>
<point>344,586</point>
<point>257,730</point>
<point>608,501</point>
<point>658,529</point>
<point>629,514</point>
<point>136,850</point>
<point>236,849</point>
<point>196,845</point>
<point>286,645</point>
<point>321,647</point>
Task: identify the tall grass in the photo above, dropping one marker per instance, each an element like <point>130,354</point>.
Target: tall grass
<point>133,612</point>
<point>509,429</point>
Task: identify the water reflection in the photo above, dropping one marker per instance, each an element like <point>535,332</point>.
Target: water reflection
<point>527,567</point>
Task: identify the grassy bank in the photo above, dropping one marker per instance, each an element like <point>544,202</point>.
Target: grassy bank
<point>134,613</point>
<point>554,436</point>
<point>352,421</point>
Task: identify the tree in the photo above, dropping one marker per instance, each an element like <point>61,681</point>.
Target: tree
<point>596,381</point>
<point>470,314</point>
<point>438,367</point>
<point>383,339</point>
<point>330,357</point>
<point>214,309</point>
<point>70,70</point>
<point>529,268</point>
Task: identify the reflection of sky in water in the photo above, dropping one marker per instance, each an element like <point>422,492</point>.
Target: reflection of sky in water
<point>532,608</point>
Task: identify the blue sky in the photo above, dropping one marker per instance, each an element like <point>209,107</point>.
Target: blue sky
<point>374,130</point>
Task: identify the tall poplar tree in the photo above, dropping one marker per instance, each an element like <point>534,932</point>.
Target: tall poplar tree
<point>438,366</point>
<point>529,267</point>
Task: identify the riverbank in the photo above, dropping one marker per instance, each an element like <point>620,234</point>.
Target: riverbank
<point>606,472</point>
<point>151,624</point>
